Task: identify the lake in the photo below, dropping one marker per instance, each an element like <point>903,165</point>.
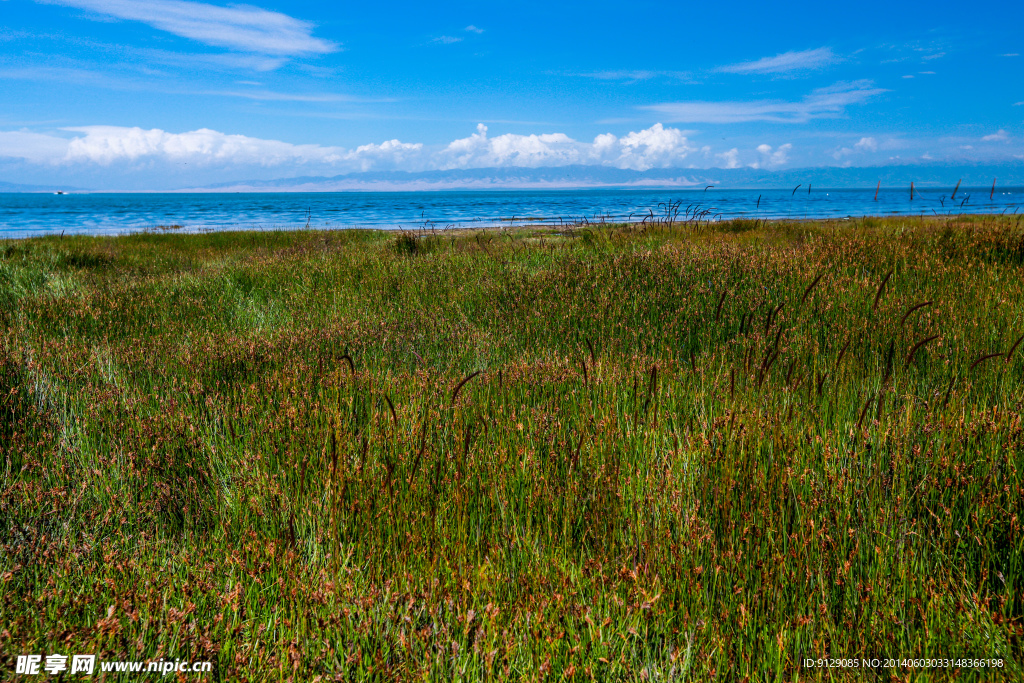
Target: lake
<point>27,214</point>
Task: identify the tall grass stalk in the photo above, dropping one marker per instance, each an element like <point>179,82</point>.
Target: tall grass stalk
<point>265,450</point>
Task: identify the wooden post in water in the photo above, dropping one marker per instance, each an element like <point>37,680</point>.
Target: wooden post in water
<point>876,189</point>
<point>993,192</point>
<point>911,190</point>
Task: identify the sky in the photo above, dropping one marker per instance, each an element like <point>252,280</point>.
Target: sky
<point>118,94</point>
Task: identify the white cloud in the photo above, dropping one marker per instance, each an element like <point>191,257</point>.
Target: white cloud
<point>621,75</point>
<point>33,147</point>
<point>770,159</point>
<point>102,80</point>
<point>730,159</point>
<point>273,96</point>
<point>784,63</point>
<point>1012,54</point>
<point>867,144</point>
<point>908,76</point>
<point>237,27</point>
<point>105,145</point>
<point>446,40</point>
<point>229,61</point>
<point>827,102</point>
<point>635,75</point>
<point>474,29</point>
<point>998,136</point>
<point>479,151</point>
<point>653,147</point>
<point>391,154</point>
<point>656,146</point>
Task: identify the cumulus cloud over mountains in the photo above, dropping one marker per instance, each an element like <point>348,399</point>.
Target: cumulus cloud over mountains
<point>110,144</point>
<point>654,147</point>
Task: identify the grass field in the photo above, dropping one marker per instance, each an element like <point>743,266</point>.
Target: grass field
<point>614,453</point>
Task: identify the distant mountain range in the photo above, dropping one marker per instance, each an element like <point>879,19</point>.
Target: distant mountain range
<point>15,187</point>
<point>1007,174</point>
<point>925,175</point>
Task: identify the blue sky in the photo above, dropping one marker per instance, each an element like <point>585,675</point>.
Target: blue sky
<point>115,93</point>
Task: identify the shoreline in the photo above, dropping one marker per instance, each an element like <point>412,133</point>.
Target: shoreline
<point>508,224</point>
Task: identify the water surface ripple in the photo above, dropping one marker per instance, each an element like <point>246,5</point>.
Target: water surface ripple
<point>23,215</point>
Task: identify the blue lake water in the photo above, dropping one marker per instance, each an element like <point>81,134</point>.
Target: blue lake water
<point>23,215</point>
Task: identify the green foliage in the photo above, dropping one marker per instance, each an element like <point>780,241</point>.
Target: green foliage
<point>407,243</point>
<point>690,451</point>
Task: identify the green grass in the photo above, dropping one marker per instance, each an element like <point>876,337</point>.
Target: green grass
<point>678,460</point>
